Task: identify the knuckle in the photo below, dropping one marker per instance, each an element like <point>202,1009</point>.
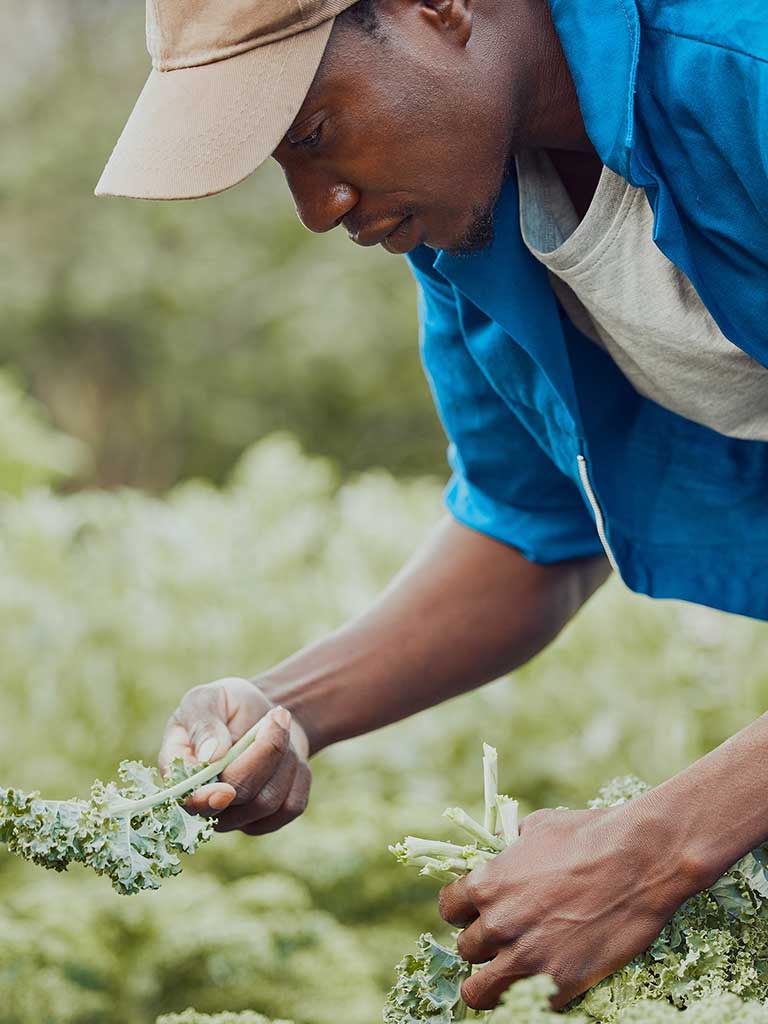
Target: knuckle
<point>537,818</point>
<point>480,885</point>
<point>494,927</point>
<point>196,694</point>
<point>234,682</point>
<point>474,887</point>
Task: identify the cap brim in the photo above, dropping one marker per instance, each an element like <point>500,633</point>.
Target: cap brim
<point>198,131</point>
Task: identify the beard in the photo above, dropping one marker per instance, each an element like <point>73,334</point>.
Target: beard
<point>481,232</point>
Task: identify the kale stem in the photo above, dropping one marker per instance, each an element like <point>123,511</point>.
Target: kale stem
<point>120,808</point>
<point>490,786</point>
<point>473,828</point>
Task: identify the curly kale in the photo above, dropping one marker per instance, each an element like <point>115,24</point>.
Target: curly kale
<point>132,831</point>
<point>527,1002</point>
<point>710,958</point>
<point>428,985</point>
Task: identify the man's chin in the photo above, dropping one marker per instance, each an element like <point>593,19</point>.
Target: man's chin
<point>471,240</point>
<point>466,251</point>
<point>477,237</point>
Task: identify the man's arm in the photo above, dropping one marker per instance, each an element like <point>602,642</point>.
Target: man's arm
<point>463,611</point>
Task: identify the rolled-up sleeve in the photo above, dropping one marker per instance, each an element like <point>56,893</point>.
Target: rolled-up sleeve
<point>504,484</point>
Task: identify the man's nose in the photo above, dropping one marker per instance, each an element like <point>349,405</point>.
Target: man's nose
<point>322,209</point>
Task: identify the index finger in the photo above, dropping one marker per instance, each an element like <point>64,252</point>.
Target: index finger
<point>250,772</point>
<point>455,904</point>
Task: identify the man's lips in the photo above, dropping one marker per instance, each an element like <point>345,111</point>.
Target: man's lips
<point>397,237</point>
<point>406,236</point>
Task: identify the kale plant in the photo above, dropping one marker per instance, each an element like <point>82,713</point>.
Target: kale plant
<point>527,1002</point>
<point>132,830</point>
<point>710,958</point>
<point>428,985</point>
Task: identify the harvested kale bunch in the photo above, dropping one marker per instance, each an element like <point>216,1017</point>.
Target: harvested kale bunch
<point>132,830</point>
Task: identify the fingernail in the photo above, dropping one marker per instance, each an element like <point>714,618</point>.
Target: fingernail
<point>218,801</point>
<point>283,717</point>
<point>206,749</point>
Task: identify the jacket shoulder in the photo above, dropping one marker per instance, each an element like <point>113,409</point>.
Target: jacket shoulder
<point>733,27</point>
<point>701,153</point>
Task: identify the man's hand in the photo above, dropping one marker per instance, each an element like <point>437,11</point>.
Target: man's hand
<point>268,785</point>
<point>577,897</point>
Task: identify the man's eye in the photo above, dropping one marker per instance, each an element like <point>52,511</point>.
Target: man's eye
<point>313,138</point>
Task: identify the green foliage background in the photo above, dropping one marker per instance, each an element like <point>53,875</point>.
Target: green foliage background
<point>169,336</point>
<point>112,604</point>
<point>166,340</point>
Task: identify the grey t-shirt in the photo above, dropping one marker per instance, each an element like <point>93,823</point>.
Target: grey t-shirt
<point>622,292</point>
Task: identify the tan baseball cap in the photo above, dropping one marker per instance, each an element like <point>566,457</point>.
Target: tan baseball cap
<point>228,78</point>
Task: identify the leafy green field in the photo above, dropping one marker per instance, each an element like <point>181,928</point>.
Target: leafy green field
<point>111,605</point>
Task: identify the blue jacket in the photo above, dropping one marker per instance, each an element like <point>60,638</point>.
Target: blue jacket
<point>552,449</point>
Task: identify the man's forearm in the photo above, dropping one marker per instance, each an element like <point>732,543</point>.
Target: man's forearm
<point>717,809</point>
<point>465,610</point>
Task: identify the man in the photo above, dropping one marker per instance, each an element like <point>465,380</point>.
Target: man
<point>581,189</point>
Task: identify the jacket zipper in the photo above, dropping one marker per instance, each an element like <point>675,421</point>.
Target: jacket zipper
<point>596,511</point>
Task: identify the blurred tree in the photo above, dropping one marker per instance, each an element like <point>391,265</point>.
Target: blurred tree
<point>170,336</point>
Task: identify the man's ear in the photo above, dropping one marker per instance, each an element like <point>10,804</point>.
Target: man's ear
<point>451,16</point>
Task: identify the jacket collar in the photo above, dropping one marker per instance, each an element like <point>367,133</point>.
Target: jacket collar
<point>506,283</point>
<point>601,41</point>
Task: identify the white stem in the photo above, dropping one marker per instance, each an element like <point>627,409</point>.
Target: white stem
<point>122,808</point>
<point>490,786</point>
<point>473,828</point>
<point>415,847</point>
<point>449,863</point>
<point>438,874</point>
<point>508,819</point>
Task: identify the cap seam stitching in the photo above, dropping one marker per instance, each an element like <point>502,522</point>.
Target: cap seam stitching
<point>165,62</point>
<point>161,54</point>
<point>237,50</point>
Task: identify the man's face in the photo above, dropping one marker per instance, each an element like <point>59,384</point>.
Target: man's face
<point>403,137</point>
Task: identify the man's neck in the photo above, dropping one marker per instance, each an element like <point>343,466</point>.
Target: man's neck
<point>552,118</point>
